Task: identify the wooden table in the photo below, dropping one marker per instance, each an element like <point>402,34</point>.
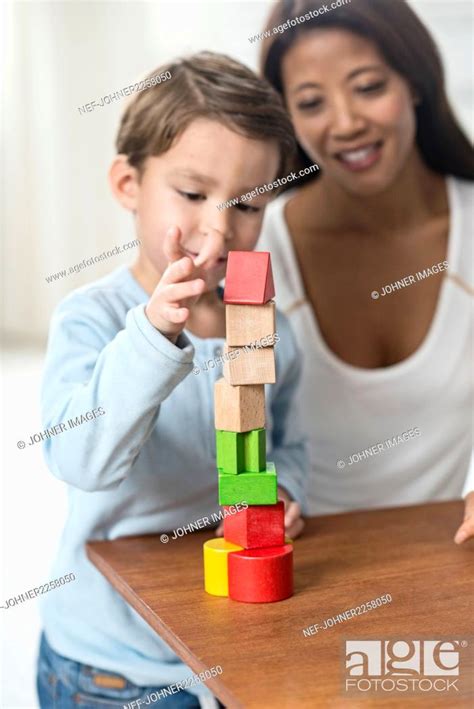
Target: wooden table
<point>341,562</point>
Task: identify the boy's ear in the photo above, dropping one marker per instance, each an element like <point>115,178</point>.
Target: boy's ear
<point>124,181</point>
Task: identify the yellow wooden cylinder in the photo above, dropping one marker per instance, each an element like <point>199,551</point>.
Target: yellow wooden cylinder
<point>216,552</point>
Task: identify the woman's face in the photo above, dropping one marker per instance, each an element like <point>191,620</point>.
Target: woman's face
<point>353,114</point>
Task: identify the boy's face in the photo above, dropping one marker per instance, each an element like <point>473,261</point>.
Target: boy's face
<point>207,165</point>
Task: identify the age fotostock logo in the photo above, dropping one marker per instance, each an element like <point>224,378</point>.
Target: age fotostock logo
<point>386,666</point>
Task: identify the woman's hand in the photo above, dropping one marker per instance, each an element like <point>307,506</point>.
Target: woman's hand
<point>293,521</point>
<point>466,530</point>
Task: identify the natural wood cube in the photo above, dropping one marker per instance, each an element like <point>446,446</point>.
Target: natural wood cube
<point>249,365</point>
<point>238,408</point>
<point>246,324</point>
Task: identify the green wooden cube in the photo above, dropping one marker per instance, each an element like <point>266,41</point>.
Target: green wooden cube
<point>241,452</point>
<point>230,451</point>
<point>255,444</point>
<point>252,488</point>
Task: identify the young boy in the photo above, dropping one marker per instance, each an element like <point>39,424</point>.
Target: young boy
<point>124,347</point>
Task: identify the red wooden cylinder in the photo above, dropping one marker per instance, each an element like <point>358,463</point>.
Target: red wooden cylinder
<point>261,575</point>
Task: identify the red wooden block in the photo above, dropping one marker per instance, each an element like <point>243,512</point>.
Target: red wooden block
<point>256,527</point>
<point>261,575</point>
<point>249,278</point>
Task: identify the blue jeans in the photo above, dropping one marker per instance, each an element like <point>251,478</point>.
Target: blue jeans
<point>65,684</point>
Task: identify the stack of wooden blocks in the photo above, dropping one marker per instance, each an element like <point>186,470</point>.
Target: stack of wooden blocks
<point>251,563</point>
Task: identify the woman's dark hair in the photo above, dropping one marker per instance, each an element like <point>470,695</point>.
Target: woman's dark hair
<point>407,47</point>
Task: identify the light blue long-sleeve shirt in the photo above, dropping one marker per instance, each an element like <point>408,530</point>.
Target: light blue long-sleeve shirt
<point>145,465</point>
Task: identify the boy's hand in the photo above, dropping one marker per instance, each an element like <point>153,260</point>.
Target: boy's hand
<point>178,289</point>
<point>466,530</point>
<point>293,521</point>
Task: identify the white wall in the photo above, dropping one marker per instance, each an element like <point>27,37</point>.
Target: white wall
<point>61,55</point>
<point>32,513</point>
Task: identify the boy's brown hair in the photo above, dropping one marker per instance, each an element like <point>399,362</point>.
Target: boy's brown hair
<point>205,85</point>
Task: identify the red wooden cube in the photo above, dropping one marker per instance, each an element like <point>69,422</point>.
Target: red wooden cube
<point>257,526</point>
<point>249,278</point>
<point>261,575</point>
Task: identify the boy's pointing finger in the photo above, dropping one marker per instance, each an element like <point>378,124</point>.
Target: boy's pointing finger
<point>177,271</point>
<point>176,315</point>
<point>176,292</point>
<point>172,244</point>
<point>213,248</point>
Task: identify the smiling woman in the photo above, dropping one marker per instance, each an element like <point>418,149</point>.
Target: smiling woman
<point>406,47</point>
<point>365,90</point>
